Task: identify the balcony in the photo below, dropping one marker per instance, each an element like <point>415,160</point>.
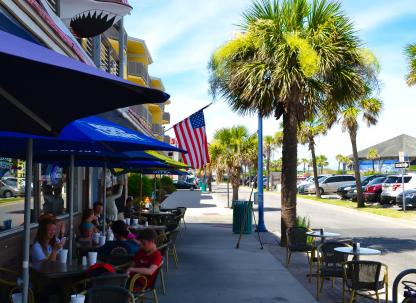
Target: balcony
<point>157,129</point>
<point>166,139</point>
<point>138,69</point>
<point>166,118</point>
<point>142,112</point>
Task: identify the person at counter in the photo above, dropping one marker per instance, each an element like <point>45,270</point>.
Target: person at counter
<point>46,246</point>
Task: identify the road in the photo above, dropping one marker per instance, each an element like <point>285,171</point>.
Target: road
<point>396,239</point>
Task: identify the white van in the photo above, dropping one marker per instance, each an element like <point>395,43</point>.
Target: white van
<point>392,187</point>
<point>330,184</point>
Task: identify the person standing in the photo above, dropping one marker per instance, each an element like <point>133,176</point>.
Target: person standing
<point>111,208</point>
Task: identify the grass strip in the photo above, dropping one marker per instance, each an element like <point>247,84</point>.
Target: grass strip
<point>6,200</point>
<point>372,209</point>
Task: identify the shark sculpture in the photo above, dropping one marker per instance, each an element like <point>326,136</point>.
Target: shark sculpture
<point>89,18</point>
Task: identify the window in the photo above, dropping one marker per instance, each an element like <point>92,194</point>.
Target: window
<point>329,180</point>
<point>347,178</point>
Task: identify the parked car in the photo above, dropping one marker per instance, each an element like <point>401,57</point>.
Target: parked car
<point>180,184</point>
<point>308,181</point>
<point>410,199</point>
<point>392,187</point>
<point>330,184</point>
<point>373,190</point>
<point>9,188</point>
<point>350,191</point>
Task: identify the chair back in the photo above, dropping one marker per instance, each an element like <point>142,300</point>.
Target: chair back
<point>296,236</point>
<point>363,274</point>
<point>119,261</point>
<point>109,294</point>
<point>110,279</point>
<point>119,251</point>
<point>330,257</point>
<point>172,236</point>
<point>163,249</point>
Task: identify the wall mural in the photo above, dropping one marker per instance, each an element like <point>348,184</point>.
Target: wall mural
<point>89,18</point>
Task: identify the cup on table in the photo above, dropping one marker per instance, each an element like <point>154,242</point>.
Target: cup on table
<point>102,240</point>
<point>17,297</point>
<point>7,224</point>
<point>63,255</point>
<point>96,238</point>
<point>358,245</point>
<point>84,261</point>
<point>135,221</point>
<point>146,224</point>
<point>127,221</point>
<point>92,258</point>
<point>77,298</point>
<point>110,236</point>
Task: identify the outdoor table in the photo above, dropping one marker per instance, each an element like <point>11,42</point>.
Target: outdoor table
<point>84,248</point>
<point>62,275</point>
<point>363,251</point>
<point>157,216</point>
<point>323,236</point>
<point>157,228</point>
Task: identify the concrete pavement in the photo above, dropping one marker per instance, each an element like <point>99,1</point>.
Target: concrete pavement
<point>212,270</point>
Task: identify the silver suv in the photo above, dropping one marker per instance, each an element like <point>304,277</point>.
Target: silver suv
<point>330,184</point>
<point>392,187</point>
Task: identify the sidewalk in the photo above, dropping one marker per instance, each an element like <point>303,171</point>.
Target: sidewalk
<point>212,270</point>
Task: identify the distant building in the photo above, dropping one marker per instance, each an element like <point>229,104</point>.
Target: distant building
<point>388,152</point>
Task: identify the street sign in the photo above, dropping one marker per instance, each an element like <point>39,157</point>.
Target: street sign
<point>405,164</point>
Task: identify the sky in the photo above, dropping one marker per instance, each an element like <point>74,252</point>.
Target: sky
<point>181,35</point>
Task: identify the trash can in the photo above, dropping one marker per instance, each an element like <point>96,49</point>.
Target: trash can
<point>241,210</point>
<point>203,187</point>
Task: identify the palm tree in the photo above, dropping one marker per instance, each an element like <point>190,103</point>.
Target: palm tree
<point>216,155</point>
<point>269,145</point>
<point>305,162</point>
<point>308,130</point>
<point>373,155</point>
<point>346,162</point>
<point>233,141</point>
<point>291,59</point>
<point>321,161</point>
<point>369,110</point>
<point>410,52</point>
<point>339,159</point>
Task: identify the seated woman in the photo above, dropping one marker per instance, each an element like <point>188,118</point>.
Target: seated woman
<point>121,244</point>
<point>46,246</point>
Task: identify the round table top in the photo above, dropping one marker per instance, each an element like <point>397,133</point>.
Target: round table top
<point>362,251</point>
<point>160,213</point>
<point>325,234</point>
<point>56,269</point>
<point>155,227</point>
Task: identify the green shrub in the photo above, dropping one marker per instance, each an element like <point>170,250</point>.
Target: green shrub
<point>134,186</point>
<point>303,222</point>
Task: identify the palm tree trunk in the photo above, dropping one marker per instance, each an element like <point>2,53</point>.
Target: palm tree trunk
<point>353,137</point>
<point>339,166</point>
<point>315,168</point>
<point>304,168</point>
<point>268,170</point>
<point>289,170</point>
<point>374,170</point>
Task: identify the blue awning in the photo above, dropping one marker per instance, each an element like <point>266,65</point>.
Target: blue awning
<point>41,91</point>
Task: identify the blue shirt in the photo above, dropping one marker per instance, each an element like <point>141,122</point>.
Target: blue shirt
<point>130,247</point>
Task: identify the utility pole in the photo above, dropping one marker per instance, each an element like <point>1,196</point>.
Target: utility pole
<point>261,227</point>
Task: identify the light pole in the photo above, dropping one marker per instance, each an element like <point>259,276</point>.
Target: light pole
<point>261,227</point>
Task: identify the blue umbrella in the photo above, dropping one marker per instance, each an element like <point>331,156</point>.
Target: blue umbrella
<point>59,89</point>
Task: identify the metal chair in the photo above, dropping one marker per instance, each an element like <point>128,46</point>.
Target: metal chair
<point>182,215</point>
<point>120,261</point>
<point>330,264</point>
<point>297,242</point>
<point>172,236</point>
<point>145,288</point>
<point>164,251</point>
<point>109,294</point>
<point>365,276</point>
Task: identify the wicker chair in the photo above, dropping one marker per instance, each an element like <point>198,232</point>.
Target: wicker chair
<point>330,264</point>
<point>297,242</point>
<point>365,276</point>
<point>146,288</point>
<point>164,252</point>
<point>109,294</point>
<point>172,236</point>
<point>8,284</point>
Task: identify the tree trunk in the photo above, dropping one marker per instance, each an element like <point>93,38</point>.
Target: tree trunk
<point>353,137</point>
<point>289,170</point>
<point>235,193</point>
<point>268,170</point>
<point>304,168</point>
<point>374,169</point>
<point>315,168</point>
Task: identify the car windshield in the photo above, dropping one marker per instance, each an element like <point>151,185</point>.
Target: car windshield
<point>377,180</point>
<point>396,179</point>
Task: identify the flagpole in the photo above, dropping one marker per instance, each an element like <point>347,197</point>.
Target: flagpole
<point>190,115</point>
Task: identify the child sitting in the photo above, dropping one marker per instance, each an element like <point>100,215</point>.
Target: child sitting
<point>148,259</point>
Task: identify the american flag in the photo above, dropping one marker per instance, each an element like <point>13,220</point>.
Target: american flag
<point>191,137</point>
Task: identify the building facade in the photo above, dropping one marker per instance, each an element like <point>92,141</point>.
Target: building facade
<point>113,51</point>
